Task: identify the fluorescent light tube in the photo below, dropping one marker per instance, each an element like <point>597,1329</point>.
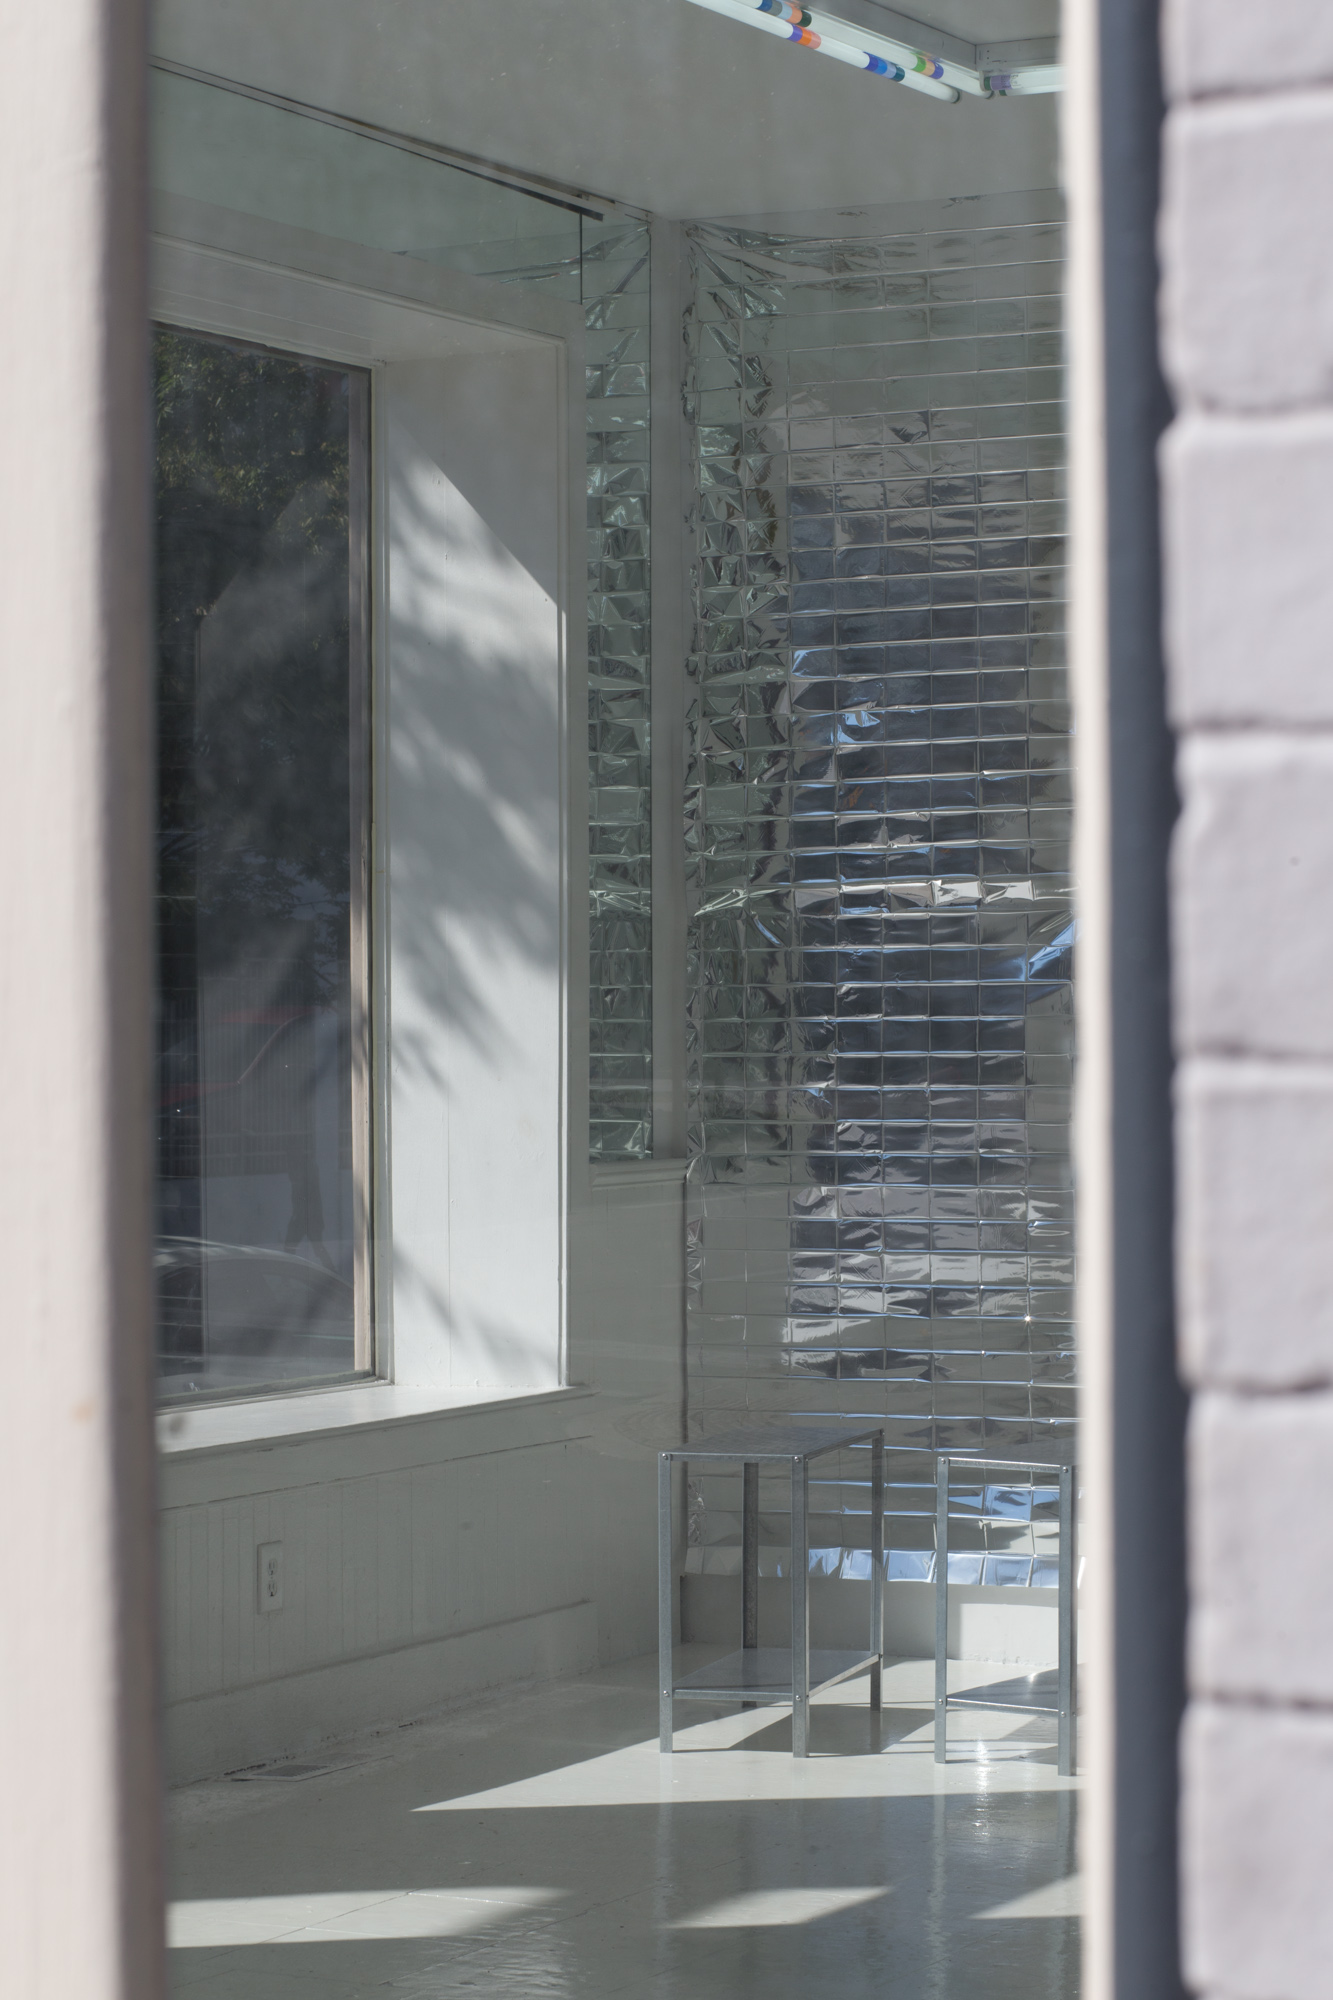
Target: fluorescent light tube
<point>884,55</point>
<point>837,39</point>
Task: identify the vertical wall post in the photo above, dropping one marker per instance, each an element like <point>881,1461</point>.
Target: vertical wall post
<point>941,1609</point>
<point>1133,1409</point>
<point>877,1570</point>
<point>80,1883</point>
<point>749,1560</point>
<point>1066,1672</point>
<point>800,1607</point>
<point>665,1603</point>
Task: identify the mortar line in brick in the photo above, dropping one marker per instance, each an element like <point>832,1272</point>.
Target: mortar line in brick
<point>1261,1704</point>
<point>1233,1052</point>
<point>1259,1060</point>
<point>1257,730</point>
<point>1187,404</point>
<point>1241,1390</point>
<point>1249,92</point>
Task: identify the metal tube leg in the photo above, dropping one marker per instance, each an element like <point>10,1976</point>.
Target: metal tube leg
<point>800,1608</point>
<point>941,1610</point>
<point>877,1571</point>
<point>665,1607</point>
<point>750,1562</point>
<point>1068,1721</point>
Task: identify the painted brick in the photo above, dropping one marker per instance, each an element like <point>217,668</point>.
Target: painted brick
<point>1252,873</point>
<point>1212,45</point>
<point>1247,231</point>
<point>1248,516</point>
<point>1261,1536</point>
<point>1255,1176</point>
<point>1258,1916</point>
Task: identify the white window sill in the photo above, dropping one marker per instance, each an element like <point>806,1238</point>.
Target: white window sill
<point>322,1412</point>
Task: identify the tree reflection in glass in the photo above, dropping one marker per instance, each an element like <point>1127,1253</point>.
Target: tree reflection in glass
<point>259,838</point>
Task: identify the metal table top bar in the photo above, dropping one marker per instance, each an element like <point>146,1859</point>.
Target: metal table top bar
<point>1051,1462</point>
<point>1009,1707</point>
<point>780,1444</point>
<point>1020,1695</point>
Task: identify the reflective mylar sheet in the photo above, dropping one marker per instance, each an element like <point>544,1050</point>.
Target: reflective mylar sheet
<point>615,302</point>
<point>612,273</point>
<point>609,271</point>
<point>877,825</point>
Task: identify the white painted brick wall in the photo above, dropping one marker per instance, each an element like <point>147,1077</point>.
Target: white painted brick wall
<point>1251,616</point>
<point>1255,1152</point>
<point>1258,1808</point>
<point>1261,1545</point>
<point>1216,45</point>
<point>1253,880</point>
<point>1247,332</point>
<point>1248,241</point>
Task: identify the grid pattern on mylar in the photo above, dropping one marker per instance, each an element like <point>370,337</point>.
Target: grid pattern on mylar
<point>877,826</point>
<point>615,300</point>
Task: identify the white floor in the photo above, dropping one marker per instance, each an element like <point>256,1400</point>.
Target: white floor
<point>537,1847</point>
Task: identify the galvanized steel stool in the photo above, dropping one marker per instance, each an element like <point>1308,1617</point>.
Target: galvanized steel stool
<point>1065,1707</point>
<point>766,1673</point>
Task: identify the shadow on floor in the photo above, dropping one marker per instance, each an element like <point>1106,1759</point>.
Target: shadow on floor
<point>540,1846</point>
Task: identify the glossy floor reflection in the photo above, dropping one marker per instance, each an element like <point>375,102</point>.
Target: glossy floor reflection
<point>536,1845</point>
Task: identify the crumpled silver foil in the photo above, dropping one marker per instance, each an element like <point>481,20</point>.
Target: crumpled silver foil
<point>877,829</point>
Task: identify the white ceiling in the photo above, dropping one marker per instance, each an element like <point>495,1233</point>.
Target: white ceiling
<point>653,102</point>
<point>982,20</point>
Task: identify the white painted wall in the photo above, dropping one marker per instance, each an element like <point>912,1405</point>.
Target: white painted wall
<point>80,1891</point>
<point>474,1523</point>
<point>477,586</point>
<point>1248,471</point>
<point>424,1559</point>
<point>432,1554</point>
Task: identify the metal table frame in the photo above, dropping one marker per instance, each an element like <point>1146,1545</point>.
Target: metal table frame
<point>740,1676</point>
<point>1065,1706</point>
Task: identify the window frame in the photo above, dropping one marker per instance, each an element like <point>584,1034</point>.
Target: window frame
<point>359,752</point>
<point>215,271</point>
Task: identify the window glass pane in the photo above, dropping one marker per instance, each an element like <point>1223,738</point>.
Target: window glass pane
<point>260,678</point>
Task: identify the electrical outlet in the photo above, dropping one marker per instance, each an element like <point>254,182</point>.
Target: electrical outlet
<point>269,1575</point>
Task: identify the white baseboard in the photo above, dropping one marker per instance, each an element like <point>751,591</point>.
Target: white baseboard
<point>300,1713</point>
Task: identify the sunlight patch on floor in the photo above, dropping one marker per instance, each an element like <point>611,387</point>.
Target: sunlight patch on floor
<point>1053,1899</point>
<point>763,1907</point>
<point>537,1846</point>
<point>207,1923</point>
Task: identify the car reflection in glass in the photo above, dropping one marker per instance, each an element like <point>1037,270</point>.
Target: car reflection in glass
<point>239,1311</point>
<point>253,1263</point>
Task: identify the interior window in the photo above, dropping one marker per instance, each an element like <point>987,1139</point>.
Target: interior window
<point>260,476</point>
